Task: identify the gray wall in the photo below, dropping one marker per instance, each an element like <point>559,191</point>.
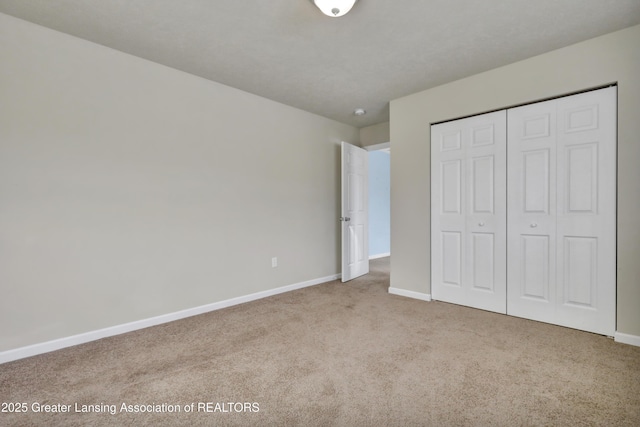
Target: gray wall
<point>608,59</point>
<point>374,134</point>
<point>130,190</point>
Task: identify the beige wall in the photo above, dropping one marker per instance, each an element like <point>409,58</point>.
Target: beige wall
<point>130,190</point>
<point>375,134</point>
<point>608,59</point>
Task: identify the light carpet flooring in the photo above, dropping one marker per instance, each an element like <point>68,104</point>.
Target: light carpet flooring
<point>338,355</point>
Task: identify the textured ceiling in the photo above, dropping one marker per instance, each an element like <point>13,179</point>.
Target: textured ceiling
<point>286,50</point>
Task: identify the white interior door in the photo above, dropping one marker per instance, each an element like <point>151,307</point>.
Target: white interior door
<point>468,211</point>
<point>562,211</point>
<point>355,216</point>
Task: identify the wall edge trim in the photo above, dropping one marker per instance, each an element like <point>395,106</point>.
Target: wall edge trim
<point>627,339</point>
<point>410,294</point>
<point>85,337</point>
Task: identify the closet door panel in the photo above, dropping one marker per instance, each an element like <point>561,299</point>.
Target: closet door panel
<point>447,195</point>
<point>451,187</point>
<point>561,211</point>
<point>535,260</point>
<point>482,185</point>
<point>468,192</point>
<point>586,224</point>
<point>536,173</point>
<point>531,171</point>
<point>486,212</point>
<point>483,262</point>
<point>451,253</point>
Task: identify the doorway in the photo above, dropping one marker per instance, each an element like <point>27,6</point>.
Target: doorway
<point>379,200</point>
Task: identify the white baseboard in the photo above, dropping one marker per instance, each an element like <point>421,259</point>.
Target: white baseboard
<point>627,339</point>
<point>45,347</point>
<point>380,255</point>
<point>410,294</point>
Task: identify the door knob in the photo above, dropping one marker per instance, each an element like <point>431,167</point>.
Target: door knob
<point>481,224</point>
<point>345,218</point>
<point>533,225</point>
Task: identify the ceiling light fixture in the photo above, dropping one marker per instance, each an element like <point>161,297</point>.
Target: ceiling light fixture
<point>359,112</point>
<point>335,8</point>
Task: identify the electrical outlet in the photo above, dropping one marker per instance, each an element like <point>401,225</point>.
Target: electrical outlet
<point>274,262</point>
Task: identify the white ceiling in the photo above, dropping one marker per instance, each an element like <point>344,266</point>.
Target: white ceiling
<point>286,50</point>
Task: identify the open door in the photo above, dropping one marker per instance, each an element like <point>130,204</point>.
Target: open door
<point>355,215</point>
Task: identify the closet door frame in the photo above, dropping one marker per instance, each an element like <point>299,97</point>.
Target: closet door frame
<point>570,232</point>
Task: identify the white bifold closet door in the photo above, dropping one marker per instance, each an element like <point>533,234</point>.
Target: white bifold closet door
<point>562,211</point>
<point>524,220</point>
<point>468,194</point>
